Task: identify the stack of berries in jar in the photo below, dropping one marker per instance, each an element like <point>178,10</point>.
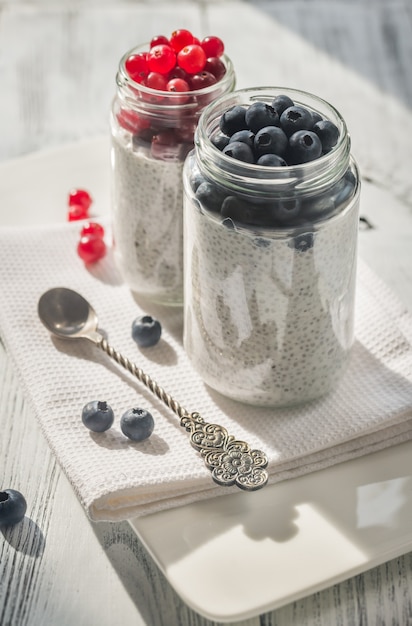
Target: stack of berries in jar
<point>180,64</point>
<point>181,67</point>
<point>162,88</point>
<point>279,133</point>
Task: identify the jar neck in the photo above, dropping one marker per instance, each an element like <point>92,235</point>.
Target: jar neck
<point>165,105</point>
<point>262,181</point>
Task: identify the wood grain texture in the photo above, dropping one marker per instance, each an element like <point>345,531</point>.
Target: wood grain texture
<point>57,65</point>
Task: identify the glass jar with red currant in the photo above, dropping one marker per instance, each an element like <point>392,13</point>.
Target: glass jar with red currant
<point>162,88</point>
<point>271,223</point>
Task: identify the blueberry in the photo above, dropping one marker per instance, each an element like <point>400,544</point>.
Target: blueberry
<point>142,140</point>
<point>344,189</point>
<point>137,424</point>
<point>318,207</point>
<point>295,118</point>
<point>219,140</point>
<point>240,151</point>
<point>235,209</point>
<point>328,134</point>
<point>97,416</point>
<point>270,139</point>
<point>233,120</point>
<point>246,136</point>
<point>271,160</point>
<point>196,179</point>
<point>12,507</point>
<point>228,223</point>
<point>210,196</point>
<point>261,242</point>
<point>304,146</point>
<point>316,117</point>
<point>302,242</point>
<point>260,114</point>
<point>146,331</point>
<point>241,211</point>
<point>286,211</point>
<point>282,102</point>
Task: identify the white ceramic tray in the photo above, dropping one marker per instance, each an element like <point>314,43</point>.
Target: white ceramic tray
<point>234,557</point>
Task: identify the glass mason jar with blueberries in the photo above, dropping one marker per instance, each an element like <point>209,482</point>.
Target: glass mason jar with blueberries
<point>153,119</point>
<point>270,223</point>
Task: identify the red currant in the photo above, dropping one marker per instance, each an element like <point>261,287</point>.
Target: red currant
<point>201,80</point>
<point>156,81</point>
<point>165,137</point>
<point>92,228</point>
<point>215,66</point>
<point>178,85</point>
<point>177,72</point>
<point>161,59</point>
<point>213,46</point>
<point>80,197</point>
<point>131,121</point>
<point>91,248</point>
<point>186,132</point>
<point>77,212</point>
<point>164,146</point>
<point>192,59</point>
<point>159,40</point>
<point>136,66</point>
<point>180,38</point>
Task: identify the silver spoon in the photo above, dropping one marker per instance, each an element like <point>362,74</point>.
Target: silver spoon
<point>66,314</point>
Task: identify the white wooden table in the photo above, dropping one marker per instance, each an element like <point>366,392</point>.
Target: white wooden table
<point>57,65</point>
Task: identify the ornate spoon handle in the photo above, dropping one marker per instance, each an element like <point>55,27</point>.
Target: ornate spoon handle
<point>230,461</point>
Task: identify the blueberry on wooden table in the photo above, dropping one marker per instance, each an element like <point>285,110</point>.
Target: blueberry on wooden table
<point>12,507</point>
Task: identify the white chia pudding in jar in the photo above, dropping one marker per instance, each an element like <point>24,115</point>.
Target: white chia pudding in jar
<point>269,283</point>
<point>162,88</point>
<point>147,215</point>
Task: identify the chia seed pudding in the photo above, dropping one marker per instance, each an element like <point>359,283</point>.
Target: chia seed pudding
<point>152,132</point>
<point>269,305</point>
<point>147,220</point>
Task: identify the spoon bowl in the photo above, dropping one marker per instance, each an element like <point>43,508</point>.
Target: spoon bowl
<point>66,314</point>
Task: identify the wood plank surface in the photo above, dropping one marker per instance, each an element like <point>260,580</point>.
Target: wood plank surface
<point>57,65</point>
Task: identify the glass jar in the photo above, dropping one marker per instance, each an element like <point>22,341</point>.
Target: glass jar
<point>270,264</point>
<point>152,131</point>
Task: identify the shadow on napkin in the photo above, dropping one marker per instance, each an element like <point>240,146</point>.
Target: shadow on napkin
<point>377,388</point>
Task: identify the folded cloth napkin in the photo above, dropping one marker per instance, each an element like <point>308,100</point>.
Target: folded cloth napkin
<point>116,478</point>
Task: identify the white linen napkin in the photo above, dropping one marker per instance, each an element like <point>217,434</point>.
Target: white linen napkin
<point>116,478</point>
